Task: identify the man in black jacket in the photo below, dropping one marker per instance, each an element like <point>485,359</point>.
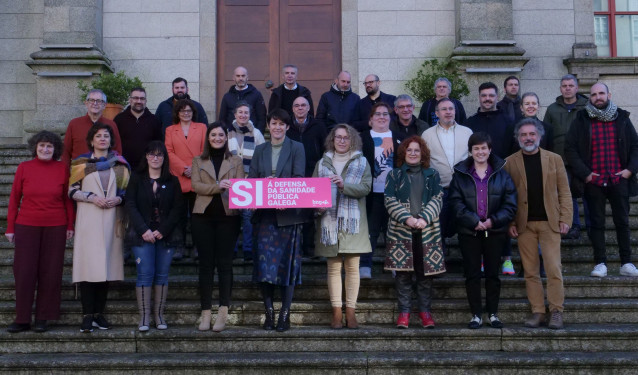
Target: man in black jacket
<point>339,104</point>
<point>511,102</point>
<point>164,111</point>
<point>602,150</point>
<point>442,89</point>
<point>242,90</point>
<point>283,95</point>
<point>371,84</point>
<point>137,127</point>
<point>312,135</point>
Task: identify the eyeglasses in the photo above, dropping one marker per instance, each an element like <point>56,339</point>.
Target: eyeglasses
<point>186,111</point>
<point>382,114</point>
<point>140,98</point>
<point>342,139</point>
<point>407,106</point>
<point>155,156</point>
<point>366,83</point>
<point>95,101</point>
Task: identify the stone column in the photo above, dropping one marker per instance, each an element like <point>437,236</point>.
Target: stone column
<point>486,49</point>
<point>70,51</point>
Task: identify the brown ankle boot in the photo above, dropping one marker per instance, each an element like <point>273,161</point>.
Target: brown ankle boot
<point>337,316</point>
<point>351,318</point>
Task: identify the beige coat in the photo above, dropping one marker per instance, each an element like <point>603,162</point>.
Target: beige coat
<point>438,159</point>
<point>97,247</point>
<point>205,183</point>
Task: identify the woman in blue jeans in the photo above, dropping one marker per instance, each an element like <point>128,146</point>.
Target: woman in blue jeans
<point>155,204</point>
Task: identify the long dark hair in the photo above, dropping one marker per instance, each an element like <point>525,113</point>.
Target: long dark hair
<point>155,147</point>
<point>208,148</point>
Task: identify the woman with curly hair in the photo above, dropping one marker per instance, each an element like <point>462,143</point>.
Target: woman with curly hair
<point>39,221</point>
<point>413,198</point>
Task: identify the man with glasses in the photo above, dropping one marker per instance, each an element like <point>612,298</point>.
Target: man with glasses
<point>442,89</point>
<point>371,83</point>
<point>405,122</point>
<point>339,104</point>
<point>137,127</point>
<point>312,135</point>
<point>285,94</point>
<point>164,110</point>
<point>75,136</point>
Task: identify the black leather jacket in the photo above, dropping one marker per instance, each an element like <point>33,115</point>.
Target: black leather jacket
<point>501,201</point>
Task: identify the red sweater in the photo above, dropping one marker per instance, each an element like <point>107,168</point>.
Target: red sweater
<point>75,137</point>
<point>39,195</point>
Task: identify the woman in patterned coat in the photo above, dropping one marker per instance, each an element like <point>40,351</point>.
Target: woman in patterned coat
<point>413,198</point>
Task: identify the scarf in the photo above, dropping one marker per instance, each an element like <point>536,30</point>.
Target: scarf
<point>604,115</point>
<point>84,165</point>
<point>344,215</point>
<point>241,142</point>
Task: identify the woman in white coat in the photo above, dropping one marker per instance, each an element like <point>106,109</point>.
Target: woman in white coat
<point>98,182</point>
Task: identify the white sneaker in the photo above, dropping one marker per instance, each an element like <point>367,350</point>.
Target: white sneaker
<point>600,270</point>
<point>365,273</point>
<point>628,269</point>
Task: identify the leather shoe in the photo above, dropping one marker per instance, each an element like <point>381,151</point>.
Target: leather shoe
<point>283,324</point>
<point>556,320</point>
<point>40,326</point>
<point>534,320</point>
<point>269,321</point>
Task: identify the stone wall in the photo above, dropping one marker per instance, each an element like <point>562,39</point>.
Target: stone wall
<point>20,34</point>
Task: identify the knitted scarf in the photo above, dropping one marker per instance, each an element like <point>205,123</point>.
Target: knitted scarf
<point>344,215</point>
<point>84,165</point>
<point>605,115</point>
<point>241,138</point>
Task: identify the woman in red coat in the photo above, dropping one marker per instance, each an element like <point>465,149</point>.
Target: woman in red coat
<point>184,141</point>
<point>39,222</point>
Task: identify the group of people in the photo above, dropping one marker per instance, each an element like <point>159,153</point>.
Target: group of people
<point>144,180</point>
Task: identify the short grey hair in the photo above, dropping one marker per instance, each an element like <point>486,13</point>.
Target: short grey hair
<point>568,77</point>
<point>443,79</point>
<point>403,97</point>
<point>93,91</point>
<point>540,130</point>
<point>290,66</point>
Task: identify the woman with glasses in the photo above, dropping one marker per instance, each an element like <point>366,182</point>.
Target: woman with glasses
<point>277,251</point>
<point>155,205</point>
<point>342,233</point>
<point>413,198</point>
<point>184,141</point>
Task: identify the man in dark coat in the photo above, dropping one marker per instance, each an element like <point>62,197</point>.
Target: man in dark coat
<point>339,104</point>
<point>602,150</point>
<point>242,90</point>
<point>406,123</point>
<point>511,102</point>
<point>283,95</point>
<point>375,95</point>
<point>164,110</point>
<point>442,89</point>
<point>137,127</point>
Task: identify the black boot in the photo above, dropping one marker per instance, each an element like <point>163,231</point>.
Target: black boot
<point>283,324</point>
<point>269,322</point>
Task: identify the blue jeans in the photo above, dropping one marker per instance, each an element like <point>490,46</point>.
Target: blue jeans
<point>246,233</point>
<point>152,261</point>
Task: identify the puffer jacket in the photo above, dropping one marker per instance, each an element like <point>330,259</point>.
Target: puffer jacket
<point>250,95</point>
<point>501,197</point>
<point>337,107</point>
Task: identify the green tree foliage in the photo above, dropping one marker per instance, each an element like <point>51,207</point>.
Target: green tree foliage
<point>117,87</point>
<point>422,86</point>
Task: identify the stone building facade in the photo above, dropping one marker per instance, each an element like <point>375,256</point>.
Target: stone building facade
<point>46,46</point>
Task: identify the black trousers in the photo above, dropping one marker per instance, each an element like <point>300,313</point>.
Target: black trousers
<point>215,239</point>
<point>473,249</point>
<point>618,197</point>
<point>93,297</point>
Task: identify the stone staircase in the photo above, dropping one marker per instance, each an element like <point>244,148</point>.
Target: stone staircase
<point>601,324</point>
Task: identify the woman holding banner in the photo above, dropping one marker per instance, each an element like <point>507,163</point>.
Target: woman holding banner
<point>344,226</point>
<point>277,250</point>
<point>215,226</point>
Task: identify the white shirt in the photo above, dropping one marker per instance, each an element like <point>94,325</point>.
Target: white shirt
<point>446,137</point>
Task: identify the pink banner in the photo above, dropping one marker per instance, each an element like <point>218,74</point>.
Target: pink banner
<point>280,193</point>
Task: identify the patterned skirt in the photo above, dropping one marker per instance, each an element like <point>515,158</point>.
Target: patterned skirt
<point>276,252</point>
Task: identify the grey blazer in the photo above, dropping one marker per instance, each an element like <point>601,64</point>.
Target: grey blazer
<point>291,164</point>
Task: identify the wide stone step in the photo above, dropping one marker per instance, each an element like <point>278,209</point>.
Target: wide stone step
<point>382,287</point>
<point>383,311</point>
<point>369,338</point>
<point>311,363</point>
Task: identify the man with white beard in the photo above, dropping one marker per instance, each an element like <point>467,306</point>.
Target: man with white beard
<point>544,213</point>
